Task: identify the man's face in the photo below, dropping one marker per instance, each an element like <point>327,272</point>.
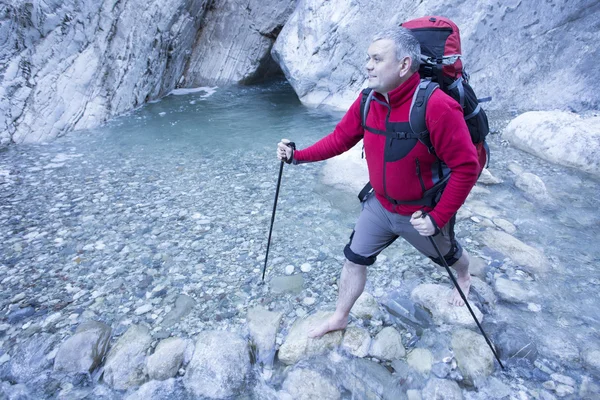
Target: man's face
<point>385,71</point>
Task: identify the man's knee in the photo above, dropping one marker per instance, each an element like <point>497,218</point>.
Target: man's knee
<point>357,259</point>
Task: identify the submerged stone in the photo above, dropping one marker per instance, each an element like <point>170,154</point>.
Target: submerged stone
<point>305,384</point>
<point>85,350</point>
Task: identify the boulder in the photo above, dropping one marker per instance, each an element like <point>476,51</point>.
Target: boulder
<point>473,355</point>
<point>387,345</point>
<point>124,367</point>
<point>83,351</point>
<point>514,292</point>
<point>366,307</point>
<point>560,137</point>
<point>30,358</point>
<point>157,390</point>
<point>356,341</point>
<point>527,257</point>
<point>170,355</point>
<point>421,360</point>
<point>220,365</point>
<point>533,188</point>
<point>435,299</point>
<point>367,379</point>
<point>183,305</point>
<point>263,325</point>
<point>304,384</point>
<point>442,389</point>
<point>298,345</point>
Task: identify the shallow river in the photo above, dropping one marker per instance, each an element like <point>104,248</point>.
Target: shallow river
<point>176,198</point>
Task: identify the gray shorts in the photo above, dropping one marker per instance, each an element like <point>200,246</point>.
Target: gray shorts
<point>377,228</point>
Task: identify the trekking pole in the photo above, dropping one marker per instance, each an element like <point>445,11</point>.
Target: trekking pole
<point>293,146</point>
<point>462,295</point>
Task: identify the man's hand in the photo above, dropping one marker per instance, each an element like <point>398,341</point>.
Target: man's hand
<point>284,151</point>
<point>422,223</point>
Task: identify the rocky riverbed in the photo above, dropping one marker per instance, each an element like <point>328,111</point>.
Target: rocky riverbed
<point>131,259</point>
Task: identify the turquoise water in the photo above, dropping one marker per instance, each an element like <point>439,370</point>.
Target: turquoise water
<point>184,188</point>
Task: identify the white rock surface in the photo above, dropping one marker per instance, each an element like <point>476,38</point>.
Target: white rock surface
<point>124,367</point>
<point>168,357</point>
<point>387,345</point>
<point>435,299</point>
<point>356,341</point>
<point>220,365</point>
<point>297,344</point>
<point>263,325</point>
<point>527,257</point>
<point>474,357</point>
<point>559,137</point>
<point>305,384</point>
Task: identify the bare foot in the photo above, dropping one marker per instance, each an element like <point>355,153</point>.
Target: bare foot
<point>465,284</point>
<point>334,323</point>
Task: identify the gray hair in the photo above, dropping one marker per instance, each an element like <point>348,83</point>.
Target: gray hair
<point>406,44</point>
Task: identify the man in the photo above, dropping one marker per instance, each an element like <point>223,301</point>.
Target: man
<point>400,171</point>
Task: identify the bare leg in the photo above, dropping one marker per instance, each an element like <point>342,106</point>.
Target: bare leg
<point>463,278</point>
<point>352,284</point>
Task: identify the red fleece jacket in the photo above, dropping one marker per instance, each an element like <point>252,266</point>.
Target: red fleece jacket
<point>406,178</point>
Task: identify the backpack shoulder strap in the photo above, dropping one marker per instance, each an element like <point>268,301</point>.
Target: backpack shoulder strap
<point>418,108</point>
<point>365,103</point>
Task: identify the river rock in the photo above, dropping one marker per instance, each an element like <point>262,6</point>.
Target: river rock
<point>170,354</point>
<point>513,292</point>
<point>533,187</point>
<point>474,357</point>
<point>367,379</point>
<point>527,257</point>
<point>442,389</point>
<point>304,384</point>
<point>124,367</point>
<point>366,307</point>
<point>589,389</point>
<point>298,345</point>
<point>30,358</point>
<point>220,365</point>
<point>435,299</point>
<point>483,292</point>
<point>83,351</point>
<point>356,341</point>
<point>157,390</point>
<point>387,345</point>
<point>263,325</point>
<point>559,137</point>
<point>421,360</point>
<point>287,284</point>
<point>486,178</point>
<point>477,267</point>
<point>591,359</point>
<point>505,225</point>
<point>183,305</point>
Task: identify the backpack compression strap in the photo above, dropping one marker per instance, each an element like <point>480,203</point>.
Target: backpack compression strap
<point>418,108</point>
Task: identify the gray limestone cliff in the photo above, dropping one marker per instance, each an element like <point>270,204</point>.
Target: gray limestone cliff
<point>68,65</point>
<point>536,55</point>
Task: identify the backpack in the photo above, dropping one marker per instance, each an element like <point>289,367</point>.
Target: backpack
<point>441,67</point>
